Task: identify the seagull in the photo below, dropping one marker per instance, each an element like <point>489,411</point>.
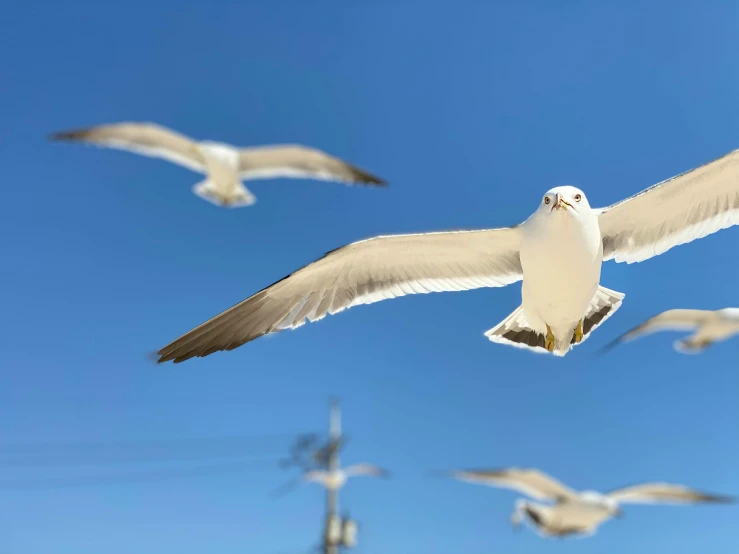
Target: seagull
<point>709,326</point>
<point>334,480</point>
<point>557,252</point>
<point>225,166</point>
<point>571,512</point>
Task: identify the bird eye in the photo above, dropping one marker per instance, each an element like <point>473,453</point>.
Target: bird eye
<point>578,197</point>
<point>547,200</point>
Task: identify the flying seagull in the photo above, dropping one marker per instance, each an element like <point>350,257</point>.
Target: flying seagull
<point>570,512</point>
<point>709,326</point>
<point>333,479</point>
<point>225,166</point>
<point>557,252</point>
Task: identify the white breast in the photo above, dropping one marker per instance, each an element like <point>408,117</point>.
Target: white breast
<point>221,153</point>
<point>573,517</point>
<point>561,256</point>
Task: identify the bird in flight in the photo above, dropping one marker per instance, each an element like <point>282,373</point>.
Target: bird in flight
<point>708,326</point>
<point>225,166</point>
<point>333,479</point>
<point>571,512</point>
<point>557,252</point>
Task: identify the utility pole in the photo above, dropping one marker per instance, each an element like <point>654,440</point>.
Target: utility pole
<point>330,542</point>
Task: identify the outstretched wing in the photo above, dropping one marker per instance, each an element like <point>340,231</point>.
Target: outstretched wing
<point>365,469</point>
<point>653,493</point>
<point>671,320</point>
<point>148,139</point>
<point>266,162</point>
<point>531,482</point>
<point>690,206</point>
<point>361,273</point>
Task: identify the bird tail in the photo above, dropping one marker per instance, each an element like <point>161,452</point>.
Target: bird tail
<point>603,305</point>
<point>516,331</point>
<point>208,191</point>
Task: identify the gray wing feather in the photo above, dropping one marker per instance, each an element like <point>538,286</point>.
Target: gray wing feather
<point>679,210</point>
<point>652,493</point>
<point>148,139</point>
<point>302,162</point>
<point>531,482</point>
<point>361,273</point>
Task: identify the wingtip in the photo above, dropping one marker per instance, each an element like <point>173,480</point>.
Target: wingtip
<point>372,181</point>
<point>618,341</point>
<point>603,350</point>
<point>74,134</point>
<point>156,357</point>
<point>362,177</point>
<point>720,499</point>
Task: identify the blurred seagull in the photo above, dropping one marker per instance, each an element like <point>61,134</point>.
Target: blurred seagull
<point>709,326</point>
<point>558,253</point>
<point>576,513</point>
<point>333,479</point>
<point>224,165</point>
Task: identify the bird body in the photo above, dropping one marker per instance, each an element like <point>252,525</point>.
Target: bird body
<point>708,328</point>
<point>561,256</point>
<point>223,185</point>
<point>334,479</point>
<point>331,480</point>
<point>570,512</point>
<point>557,252</point>
<point>563,519</point>
<point>224,165</point>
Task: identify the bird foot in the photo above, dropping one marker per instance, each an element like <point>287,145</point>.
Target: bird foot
<point>578,332</point>
<point>549,340</point>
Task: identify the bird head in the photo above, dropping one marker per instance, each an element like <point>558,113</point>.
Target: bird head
<point>567,200</point>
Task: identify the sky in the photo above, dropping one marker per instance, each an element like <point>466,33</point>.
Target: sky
<point>471,111</point>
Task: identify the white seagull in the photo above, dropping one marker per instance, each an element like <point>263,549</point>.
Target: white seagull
<point>708,326</point>
<point>571,512</point>
<point>334,479</point>
<point>557,252</point>
<point>224,165</point>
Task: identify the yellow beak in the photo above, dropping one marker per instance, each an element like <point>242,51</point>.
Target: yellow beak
<point>561,204</point>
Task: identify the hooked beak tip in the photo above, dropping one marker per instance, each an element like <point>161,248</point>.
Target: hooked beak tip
<point>560,203</point>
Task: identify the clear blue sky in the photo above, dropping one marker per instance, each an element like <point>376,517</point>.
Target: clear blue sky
<point>471,111</point>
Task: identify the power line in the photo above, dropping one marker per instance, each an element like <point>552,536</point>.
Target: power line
<point>21,449</point>
<point>129,478</point>
<point>190,449</point>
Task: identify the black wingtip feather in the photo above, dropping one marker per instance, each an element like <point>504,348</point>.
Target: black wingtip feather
<point>363,177</point>
<point>719,499</point>
<point>74,134</point>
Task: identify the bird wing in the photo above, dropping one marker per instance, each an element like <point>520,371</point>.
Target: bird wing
<point>148,139</point>
<point>653,493</point>
<point>531,482</point>
<point>671,320</point>
<point>360,273</point>
<point>300,161</point>
<point>690,206</point>
<point>365,469</point>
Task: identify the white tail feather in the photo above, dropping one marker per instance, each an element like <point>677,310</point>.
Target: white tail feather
<point>239,198</point>
<point>515,330</point>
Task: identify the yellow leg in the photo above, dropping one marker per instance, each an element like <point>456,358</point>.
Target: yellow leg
<point>578,332</point>
<point>549,340</point>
